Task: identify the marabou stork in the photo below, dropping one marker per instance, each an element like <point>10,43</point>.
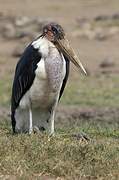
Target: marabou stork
<point>40,78</point>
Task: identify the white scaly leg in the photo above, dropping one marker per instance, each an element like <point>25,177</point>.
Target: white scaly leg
<point>30,121</point>
<point>52,126</point>
<point>52,123</point>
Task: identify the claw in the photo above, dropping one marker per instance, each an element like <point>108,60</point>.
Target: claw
<point>35,129</point>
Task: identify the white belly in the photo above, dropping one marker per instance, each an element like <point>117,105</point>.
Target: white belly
<point>40,92</point>
<point>46,86</point>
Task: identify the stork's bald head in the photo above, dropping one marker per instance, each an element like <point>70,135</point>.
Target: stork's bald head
<point>55,33</point>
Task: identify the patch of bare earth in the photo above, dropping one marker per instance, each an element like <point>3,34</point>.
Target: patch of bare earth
<point>74,115</point>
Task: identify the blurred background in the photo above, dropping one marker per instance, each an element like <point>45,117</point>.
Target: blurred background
<point>92,27</point>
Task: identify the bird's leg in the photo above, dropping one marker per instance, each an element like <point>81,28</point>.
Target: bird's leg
<point>51,119</point>
<point>52,114</point>
<point>30,121</point>
<point>52,122</point>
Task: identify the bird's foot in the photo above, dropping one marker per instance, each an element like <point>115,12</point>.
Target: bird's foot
<point>52,134</point>
<point>37,129</point>
<point>30,130</point>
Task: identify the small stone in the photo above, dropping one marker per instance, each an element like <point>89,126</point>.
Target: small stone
<point>115,16</point>
<point>101,18</point>
<point>106,63</point>
<point>22,21</point>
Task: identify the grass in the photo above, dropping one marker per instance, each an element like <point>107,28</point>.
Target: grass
<point>37,156</point>
<point>60,156</point>
<point>93,91</point>
<point>5,91</point>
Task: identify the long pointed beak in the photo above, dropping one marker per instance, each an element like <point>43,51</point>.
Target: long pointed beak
<point>64,46</point>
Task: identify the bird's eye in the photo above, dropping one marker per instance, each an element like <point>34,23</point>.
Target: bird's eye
<point>54,30</point>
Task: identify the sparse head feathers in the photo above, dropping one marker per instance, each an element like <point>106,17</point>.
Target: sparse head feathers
<point>53,31</point>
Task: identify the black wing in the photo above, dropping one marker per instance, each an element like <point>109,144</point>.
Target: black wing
<point>24,76</point>
<point>66,76</point>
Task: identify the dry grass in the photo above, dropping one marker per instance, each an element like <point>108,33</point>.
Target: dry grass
<point>60,156</point>
<point>64,156</point>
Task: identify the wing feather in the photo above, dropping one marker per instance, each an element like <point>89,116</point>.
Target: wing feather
<point>66,76</point>
<point>24,75</point>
